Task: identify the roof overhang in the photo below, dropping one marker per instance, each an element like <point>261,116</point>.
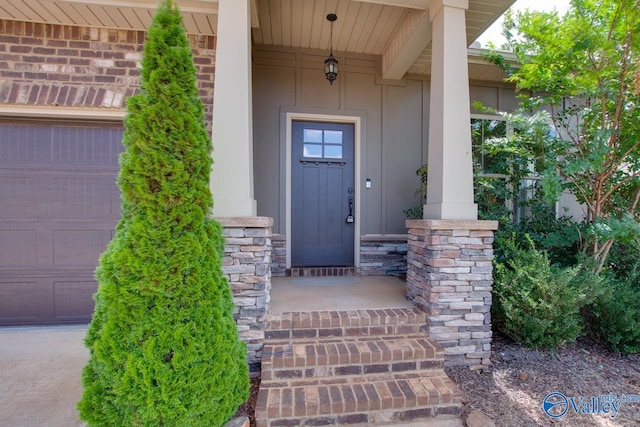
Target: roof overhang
<point>398,31</point>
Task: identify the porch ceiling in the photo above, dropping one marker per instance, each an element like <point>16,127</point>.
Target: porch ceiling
<point>200,16</point>
<point>397,30</point>
<point>363,26</point>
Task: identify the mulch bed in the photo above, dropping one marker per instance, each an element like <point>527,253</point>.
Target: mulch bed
<point>512,390</point>
<point>248,408</point>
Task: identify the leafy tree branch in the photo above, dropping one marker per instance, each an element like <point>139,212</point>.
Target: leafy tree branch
<point>584,68</point>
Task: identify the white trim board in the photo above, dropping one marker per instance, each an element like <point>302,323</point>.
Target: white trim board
<point>39,112</point>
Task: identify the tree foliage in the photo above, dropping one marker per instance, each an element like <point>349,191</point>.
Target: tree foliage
<point>164,347</point>
<point>584,69</point>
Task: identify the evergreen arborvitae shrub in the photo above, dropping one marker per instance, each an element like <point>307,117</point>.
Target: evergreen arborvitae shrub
<point>163,342</point>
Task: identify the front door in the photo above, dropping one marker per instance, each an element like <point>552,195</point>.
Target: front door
<point>323,197</point>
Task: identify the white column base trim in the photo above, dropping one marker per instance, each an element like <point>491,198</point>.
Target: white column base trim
<point>234,207</point>
<point>450,211</point>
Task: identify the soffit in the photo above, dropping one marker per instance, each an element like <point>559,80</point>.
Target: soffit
<point>396,30</point>
<point>200,16</point>
<point>363,26</point>
<point>374,27</point>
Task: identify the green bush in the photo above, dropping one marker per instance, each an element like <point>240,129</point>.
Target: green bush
<point>491,195</point>
<point>615,316</point>
<point>624,261</point>
<point>559,237</point>
<point>164,347</point>
<point>537,303</point>
<point>415,212</point>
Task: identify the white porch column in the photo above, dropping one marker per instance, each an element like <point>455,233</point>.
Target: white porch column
<point>450,186</point>
<point>232,175</point>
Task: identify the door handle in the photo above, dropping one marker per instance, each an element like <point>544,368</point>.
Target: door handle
<point>350,219</point>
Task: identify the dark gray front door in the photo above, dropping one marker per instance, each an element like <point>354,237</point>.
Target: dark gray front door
<point>323,198</point>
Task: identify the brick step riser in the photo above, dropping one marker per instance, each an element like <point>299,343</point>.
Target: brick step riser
<point>345,319</point>
<point>279,335</point>
<point>337,370</point>
<point>350,351</point>
<point>349,356</point>
<point>382,398</point>
<point>369,418</point>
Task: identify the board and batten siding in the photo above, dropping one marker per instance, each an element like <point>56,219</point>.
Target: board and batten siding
<point>395,117</point>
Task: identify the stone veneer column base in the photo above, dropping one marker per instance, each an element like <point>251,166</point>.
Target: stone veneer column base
<point>279,255</point>
<point>450,276</point>
<point>247,267</point>
<point>383,255</point>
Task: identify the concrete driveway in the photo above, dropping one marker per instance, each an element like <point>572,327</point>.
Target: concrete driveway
<point>40,370</point>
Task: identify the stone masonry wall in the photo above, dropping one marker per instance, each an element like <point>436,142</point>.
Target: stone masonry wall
<point>450,276</point>
<point>379,255</point>
<point>247,266</point>
<point>279,255</point>
<point>67,66</point>
<point>383,255</point>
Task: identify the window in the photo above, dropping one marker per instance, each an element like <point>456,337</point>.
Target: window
<point>322,144</point>
<point>496,192</point>
<point>482,130</point>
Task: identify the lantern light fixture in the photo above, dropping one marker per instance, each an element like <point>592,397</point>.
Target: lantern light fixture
<point>331,63</point>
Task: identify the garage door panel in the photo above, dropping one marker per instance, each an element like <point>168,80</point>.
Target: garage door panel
<point>85,196</point>
<point>72,248</point>
<point>18,248</point>
<point>23,144</point>
<point>16,193</point>
<point>51,145</point>
<point>52,245</point>
<point>25,301</point>
<point>59,204</point>
<point>52,193</point>
<point>73,299</point>
<point>84,145</point>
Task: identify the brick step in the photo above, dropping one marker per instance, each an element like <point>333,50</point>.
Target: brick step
<point>322,271</point>
<point>340,356</point>
<point>320,324</point>
<point>359,400</point>
<point>354,367</point>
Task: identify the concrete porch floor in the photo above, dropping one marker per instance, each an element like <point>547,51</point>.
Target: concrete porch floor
<point>337,293</point>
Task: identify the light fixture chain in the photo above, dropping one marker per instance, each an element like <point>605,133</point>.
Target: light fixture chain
<point>331,39</point>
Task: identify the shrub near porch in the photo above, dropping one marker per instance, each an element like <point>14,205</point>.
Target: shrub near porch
<point>163,342</point>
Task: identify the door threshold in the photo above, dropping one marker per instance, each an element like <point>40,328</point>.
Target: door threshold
<point>321,271</point>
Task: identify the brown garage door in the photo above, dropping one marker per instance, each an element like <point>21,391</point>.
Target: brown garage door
<point>59,204</point>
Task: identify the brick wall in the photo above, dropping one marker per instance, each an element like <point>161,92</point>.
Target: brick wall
<point>68,66</point>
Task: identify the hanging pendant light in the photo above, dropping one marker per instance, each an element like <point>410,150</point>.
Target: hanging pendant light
<point>331,63</point>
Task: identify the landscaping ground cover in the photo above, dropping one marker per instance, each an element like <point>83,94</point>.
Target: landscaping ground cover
<point>512,390</point>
